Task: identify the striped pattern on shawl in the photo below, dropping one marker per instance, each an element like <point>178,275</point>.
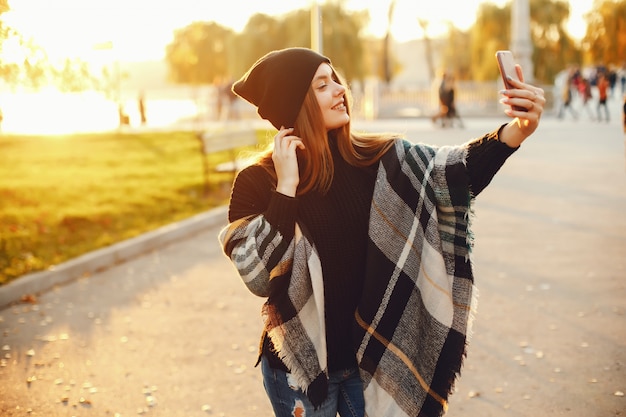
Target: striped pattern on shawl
<point>290,275</point>
<point>414,317</point>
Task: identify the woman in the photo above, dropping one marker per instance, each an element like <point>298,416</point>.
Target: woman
<point>360,242</point>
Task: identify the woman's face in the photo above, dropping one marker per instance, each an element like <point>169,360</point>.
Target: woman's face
<point>330,96</point>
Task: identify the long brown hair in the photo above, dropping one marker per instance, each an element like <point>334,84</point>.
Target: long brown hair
<point>315,163</point>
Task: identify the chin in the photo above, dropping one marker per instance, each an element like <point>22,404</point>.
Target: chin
<point>336,124</point>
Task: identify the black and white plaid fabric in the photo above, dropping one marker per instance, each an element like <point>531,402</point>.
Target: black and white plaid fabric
<point>414,318</point>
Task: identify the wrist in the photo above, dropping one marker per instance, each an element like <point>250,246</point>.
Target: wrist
<point>289,189</point>
<point>511,134</point>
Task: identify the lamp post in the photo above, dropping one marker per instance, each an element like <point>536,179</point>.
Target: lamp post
<point>521,45</point>
<point>316,28</point>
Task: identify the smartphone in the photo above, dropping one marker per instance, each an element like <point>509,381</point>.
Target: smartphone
<point>506,63</point>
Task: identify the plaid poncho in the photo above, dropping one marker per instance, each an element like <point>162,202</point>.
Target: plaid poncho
<point>414,317</point>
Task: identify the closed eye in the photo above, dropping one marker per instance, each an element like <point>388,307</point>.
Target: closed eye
<point>322,81</point>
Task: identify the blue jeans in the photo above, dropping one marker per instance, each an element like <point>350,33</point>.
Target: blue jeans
<point>345,394</point>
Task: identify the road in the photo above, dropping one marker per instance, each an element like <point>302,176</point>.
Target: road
<point>174,332</point>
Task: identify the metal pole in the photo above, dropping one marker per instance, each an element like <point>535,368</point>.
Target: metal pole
<point>521,44</point>
<point>316,28</point>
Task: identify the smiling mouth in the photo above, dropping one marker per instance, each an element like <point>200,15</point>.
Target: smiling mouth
<point>340,106</point>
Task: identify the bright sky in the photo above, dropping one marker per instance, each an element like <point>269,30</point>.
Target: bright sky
<point>140,29</point>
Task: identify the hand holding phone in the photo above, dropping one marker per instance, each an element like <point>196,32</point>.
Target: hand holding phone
<point>506,63</point>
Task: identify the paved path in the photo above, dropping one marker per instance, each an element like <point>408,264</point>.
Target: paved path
<point>173,332</point>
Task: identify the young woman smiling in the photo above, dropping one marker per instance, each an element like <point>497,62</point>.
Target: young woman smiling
<point>361,244</point>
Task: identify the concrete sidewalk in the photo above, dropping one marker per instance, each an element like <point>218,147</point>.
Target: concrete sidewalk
<point>164,326</point>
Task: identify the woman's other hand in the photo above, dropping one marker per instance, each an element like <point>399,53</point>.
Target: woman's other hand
<point>286,161</point>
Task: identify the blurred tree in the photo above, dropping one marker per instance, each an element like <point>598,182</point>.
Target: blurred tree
<point>490,32</point>
<point>199,54</point>
<point>9,71</point>
<point>261,35</point>
<point>457,53</point>
<point>340,37</point>
<point>74,77</point>
<point>340,31</point>
<point>553,49</point>
<point>21,62</point>
<point>25,64</point>
<point>36,69</point>
<point>605,39</point>
<point>109,80</point>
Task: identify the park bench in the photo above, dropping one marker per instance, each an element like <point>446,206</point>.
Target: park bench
<point>230,139</point>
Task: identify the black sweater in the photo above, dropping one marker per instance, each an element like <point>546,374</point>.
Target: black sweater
<point>337,223</point>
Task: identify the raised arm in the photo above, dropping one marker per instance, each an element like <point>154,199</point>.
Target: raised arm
<point>260,234</point>
<point>526,122</point>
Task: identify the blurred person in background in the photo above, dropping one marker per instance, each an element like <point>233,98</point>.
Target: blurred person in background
<point>624,112</point>
<point>566,95</point>
<point>584,90</point>
<point>141,104</point>
<point>447,114</point>
<point>603,89</point>
<point>622,77</point>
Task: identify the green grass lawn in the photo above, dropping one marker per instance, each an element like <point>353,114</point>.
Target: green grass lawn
<point>63,196</point>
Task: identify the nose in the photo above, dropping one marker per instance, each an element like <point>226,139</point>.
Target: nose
<point>340,90</point>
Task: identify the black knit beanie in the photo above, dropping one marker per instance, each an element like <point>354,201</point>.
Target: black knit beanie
<point>277,83</point>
